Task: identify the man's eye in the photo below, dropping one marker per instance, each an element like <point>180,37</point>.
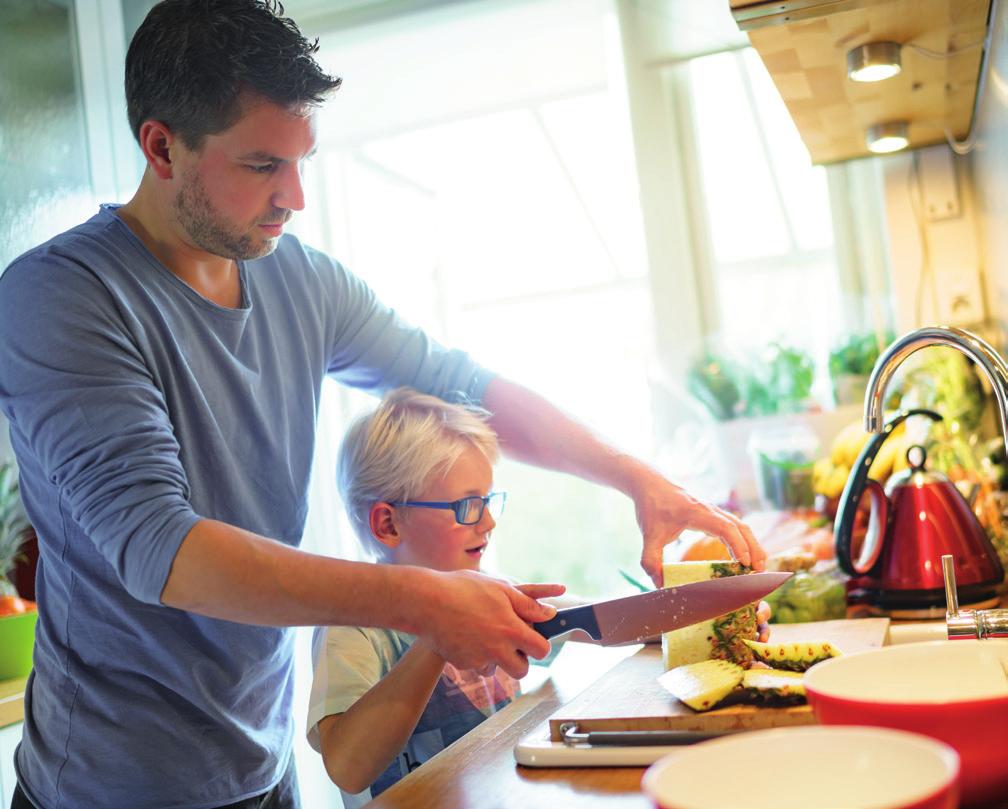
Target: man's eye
<point>264,168</point>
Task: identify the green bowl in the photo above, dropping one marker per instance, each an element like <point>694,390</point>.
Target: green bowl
<point>17,638</point>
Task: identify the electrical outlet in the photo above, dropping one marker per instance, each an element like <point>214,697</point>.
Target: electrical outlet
<point>960,299</point>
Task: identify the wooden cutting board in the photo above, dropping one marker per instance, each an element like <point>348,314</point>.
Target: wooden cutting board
<point>629,696</point>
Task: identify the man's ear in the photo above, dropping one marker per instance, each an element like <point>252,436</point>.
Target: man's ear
<point>382,520</point>
<point>156,142</point>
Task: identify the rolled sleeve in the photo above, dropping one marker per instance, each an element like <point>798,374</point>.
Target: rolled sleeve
<point>84,404</point>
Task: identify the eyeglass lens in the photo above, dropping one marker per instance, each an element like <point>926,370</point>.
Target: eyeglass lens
<point>469,510</point>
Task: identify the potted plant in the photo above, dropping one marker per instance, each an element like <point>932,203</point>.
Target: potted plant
<point>851,363</point>
<point>17,615</point>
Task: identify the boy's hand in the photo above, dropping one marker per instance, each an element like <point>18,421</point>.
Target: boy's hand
<point>475,621</point>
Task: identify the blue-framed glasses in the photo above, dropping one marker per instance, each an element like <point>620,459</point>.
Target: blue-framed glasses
<point>468,510</point>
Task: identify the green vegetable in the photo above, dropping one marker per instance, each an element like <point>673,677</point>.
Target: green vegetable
<point>809,596</point>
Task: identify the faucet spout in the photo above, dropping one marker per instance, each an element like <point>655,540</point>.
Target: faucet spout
<point>978,350</point>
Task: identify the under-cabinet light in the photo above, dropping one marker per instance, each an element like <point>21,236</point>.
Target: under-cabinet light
<point>890,136</point>
<point>873,61</point>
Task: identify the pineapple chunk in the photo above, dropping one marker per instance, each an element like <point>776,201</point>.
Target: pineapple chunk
<point>720,638</point>
<point>792,656</point>
<point>772,686</point>
<point>703,685</point>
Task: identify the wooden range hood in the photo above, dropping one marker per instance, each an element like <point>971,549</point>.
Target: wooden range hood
<point>804,45</point>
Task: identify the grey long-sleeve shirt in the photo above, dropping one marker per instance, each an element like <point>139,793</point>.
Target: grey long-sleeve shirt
<point>138,407</point>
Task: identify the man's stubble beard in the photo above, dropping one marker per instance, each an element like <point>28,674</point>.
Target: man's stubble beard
<point>208,230</point>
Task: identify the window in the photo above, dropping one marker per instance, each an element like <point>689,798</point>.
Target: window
<point>765,213</point>
<point>492,199</point>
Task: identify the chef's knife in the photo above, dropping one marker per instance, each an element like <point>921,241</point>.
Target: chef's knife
<point>633,618</point>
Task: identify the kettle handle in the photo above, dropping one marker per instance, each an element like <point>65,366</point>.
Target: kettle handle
<point>852,492</point>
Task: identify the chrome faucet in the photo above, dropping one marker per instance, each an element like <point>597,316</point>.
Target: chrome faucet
<point>969,344</point>
<point>959,623</point>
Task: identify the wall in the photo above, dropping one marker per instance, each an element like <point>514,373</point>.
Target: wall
<point>989,163</point>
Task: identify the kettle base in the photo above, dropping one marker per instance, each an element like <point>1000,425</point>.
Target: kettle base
<point>919,603</point>
<point>925,613</point>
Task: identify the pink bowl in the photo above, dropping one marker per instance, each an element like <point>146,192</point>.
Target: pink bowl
<point>954,691</point>
<point>809,767</point>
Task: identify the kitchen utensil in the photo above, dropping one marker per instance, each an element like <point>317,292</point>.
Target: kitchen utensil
<point>954,691</point>
<point>914,521</point>
<point>808,768</point>
<point>633,618</point>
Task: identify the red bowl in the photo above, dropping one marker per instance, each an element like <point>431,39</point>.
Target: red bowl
<point>954,691</point>
<point>809,767</point>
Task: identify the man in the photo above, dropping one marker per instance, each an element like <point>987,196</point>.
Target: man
<point>161,369</point>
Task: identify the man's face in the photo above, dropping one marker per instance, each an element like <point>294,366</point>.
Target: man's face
<point>236,192</point>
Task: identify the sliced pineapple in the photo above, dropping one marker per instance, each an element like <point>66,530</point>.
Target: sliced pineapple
<point>703,685</point>
<point>770,686</point>
<point>719,638</point>
<point>792,656</point>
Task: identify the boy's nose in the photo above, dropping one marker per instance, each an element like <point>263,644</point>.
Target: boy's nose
<point>487,522</point>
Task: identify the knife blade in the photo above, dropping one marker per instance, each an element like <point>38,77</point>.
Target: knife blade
<point>633,618</point>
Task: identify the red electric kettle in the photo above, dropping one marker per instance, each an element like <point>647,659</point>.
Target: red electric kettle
<point>919,517</point>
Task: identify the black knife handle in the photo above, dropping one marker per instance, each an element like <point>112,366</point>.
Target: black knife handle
<point>568,619</point>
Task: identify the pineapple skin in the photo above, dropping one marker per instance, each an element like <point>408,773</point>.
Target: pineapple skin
<point>721,638</point>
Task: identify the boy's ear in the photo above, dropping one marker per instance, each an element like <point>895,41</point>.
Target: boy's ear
<point>382,521</point>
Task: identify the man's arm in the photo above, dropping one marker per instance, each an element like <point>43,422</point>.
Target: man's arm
<point>534,431</point>
<point>469,619</point>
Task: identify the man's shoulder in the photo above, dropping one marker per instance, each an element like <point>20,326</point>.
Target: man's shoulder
<point>79,245</point>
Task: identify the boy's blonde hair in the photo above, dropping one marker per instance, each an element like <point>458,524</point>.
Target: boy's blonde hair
<point>389,454</point>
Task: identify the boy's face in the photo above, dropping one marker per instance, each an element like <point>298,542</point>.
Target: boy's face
<point>235,193</point>
<point>431,537</point>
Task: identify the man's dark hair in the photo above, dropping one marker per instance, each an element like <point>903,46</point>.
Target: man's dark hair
<point>191,61</point>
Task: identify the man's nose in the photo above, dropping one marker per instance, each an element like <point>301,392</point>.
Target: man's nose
<point>290,194</point>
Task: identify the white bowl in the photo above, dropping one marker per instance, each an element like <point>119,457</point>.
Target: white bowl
<point>808,767</point>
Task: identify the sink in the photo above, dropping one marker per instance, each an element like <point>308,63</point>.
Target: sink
<point>916,631</point>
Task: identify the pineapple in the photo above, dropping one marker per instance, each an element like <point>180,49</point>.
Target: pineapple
<point>720,638</point>
<point>769,686</point>
<point>792,656</point>
<point>703,685</point>
<point>13,526</point>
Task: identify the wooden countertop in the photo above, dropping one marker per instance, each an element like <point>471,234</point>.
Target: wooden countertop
<point>479,770</point>
<point>12,701</point>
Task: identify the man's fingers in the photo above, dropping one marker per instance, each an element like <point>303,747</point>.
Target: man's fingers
<point>541,590</point>
<point>527,608</point>
<point>651,560</point>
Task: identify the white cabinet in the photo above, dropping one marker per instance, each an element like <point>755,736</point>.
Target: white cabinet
<point>9,738</point>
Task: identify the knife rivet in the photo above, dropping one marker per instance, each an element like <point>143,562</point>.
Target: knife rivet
<point>563,622</point>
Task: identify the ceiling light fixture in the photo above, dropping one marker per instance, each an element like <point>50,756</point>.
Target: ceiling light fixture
<point>873,61</point>
<point>890,136</point>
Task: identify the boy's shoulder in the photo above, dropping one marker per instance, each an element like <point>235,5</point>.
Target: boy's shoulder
<point>388,644</point>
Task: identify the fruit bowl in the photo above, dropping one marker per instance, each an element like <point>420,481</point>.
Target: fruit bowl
<point>17,639</point>
<point>954,691</point>
<point>808,767</point>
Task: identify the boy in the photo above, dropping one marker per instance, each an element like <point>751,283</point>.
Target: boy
<point>416,477</point>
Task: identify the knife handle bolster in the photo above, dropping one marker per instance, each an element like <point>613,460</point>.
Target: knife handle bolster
<point>568,619</point>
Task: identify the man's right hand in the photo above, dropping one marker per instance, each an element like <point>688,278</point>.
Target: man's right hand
<point>475,621</point>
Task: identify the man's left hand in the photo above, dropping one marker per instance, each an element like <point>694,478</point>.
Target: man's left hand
<point>664,511</point>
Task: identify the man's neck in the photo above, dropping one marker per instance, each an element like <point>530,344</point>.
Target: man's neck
<point>214,277</point>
